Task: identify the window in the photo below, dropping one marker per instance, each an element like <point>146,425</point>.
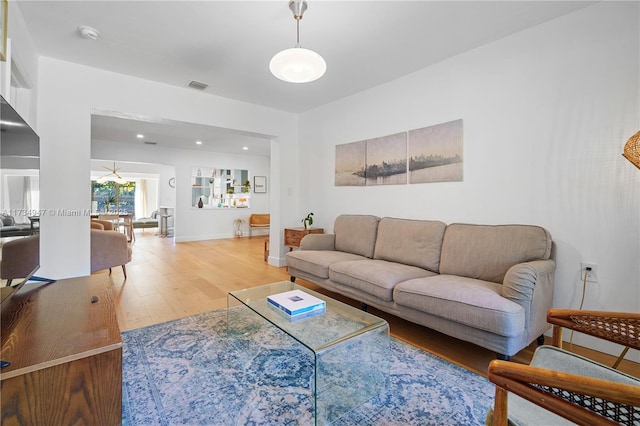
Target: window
<point>114,197</point>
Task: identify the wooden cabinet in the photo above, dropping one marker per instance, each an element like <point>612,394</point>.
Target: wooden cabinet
<point>293,236</point>
<point>65,354</point>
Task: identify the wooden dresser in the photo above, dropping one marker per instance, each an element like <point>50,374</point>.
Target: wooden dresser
<point>65,354</point>
<point>293,236</point>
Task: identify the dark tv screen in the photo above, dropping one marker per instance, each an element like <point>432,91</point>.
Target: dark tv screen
<point>19,200</point>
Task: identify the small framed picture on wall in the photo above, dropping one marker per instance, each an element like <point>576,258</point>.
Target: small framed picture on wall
<point>260,184</point>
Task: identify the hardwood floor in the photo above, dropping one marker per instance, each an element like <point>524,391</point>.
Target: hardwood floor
<point>168,280</point>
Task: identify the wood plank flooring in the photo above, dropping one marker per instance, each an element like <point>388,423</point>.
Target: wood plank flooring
<point>168,280</point>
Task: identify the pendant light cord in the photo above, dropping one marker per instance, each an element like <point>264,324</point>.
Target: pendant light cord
<point>584,291</point>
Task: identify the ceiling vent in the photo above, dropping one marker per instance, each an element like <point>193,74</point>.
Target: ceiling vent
<point>150,143</point>
<point>197,85</point>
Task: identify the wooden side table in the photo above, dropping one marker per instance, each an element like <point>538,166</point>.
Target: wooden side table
<point>293,236</point>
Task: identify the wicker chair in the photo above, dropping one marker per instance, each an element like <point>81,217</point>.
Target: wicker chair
<point>569,386</point>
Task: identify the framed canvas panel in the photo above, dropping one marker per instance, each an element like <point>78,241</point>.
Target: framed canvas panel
<point>260,184</point>
<point>351,164</point>
<point>435,153</point>
<point>387,160</point>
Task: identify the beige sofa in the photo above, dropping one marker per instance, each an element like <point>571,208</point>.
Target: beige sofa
<point>487,284</point>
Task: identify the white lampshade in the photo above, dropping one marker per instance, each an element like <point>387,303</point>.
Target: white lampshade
<point>297,65</point>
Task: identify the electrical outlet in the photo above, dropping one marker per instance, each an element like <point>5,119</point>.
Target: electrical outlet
<point>592,275</point>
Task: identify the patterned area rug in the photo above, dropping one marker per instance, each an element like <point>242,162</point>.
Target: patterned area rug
<point>192,372</point>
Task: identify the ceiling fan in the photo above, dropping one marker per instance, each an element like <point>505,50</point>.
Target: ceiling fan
<point>112,177</point>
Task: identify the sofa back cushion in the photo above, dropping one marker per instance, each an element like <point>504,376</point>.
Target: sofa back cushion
<point>486,252</point>
<point>356,234</point>
<point>411,242</point>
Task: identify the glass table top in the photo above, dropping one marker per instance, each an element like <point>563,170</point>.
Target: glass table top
<point>338,323</point>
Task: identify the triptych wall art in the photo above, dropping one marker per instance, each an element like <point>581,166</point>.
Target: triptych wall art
<point>429,154</point>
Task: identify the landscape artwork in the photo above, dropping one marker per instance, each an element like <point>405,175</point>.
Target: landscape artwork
<point>387,160</point>
<point>435,153</point>
<point>350,164</point>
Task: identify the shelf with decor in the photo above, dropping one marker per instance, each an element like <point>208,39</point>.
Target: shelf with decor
<point>213,188</point>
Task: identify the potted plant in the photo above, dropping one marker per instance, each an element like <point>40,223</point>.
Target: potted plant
<point>246,187</point>
<point>308,221</point>
<point>238,223</point>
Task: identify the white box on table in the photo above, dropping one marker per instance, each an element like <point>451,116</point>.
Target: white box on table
<point>296,302</point>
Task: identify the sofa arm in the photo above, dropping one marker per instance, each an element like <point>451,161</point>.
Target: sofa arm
<point>520,280</point>
<point>530,285</point>
<point>318,242</point>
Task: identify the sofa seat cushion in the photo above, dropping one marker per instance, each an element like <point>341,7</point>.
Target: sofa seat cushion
<point>468,301</point>
<point>145,222</point>
<point>317,262</point>
<point>374,277</point>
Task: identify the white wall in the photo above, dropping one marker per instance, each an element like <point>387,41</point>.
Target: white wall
<point>546,114</point>
<point>68,95</point>
<point>192,224</point>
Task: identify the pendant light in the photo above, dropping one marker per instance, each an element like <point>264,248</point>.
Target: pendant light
<point>297,65</point>
<point>632,150</point>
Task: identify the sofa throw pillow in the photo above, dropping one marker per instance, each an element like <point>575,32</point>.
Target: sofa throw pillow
<point>356,234</point>
<point>8,221</point>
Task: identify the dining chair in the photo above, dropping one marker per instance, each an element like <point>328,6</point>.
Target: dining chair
<point>126,223</point>
<point>113,218</point>
<point>560,387</point>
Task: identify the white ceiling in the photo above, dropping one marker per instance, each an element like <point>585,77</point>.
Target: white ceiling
<point>228,44</point>
<point>109,126</point>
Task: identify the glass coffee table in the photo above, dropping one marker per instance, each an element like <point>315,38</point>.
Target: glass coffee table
<point>350,347</point>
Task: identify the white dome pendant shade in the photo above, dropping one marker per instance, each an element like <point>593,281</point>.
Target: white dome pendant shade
<point>297,65</point>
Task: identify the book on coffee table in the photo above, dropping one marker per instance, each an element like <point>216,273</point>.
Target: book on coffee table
<point>297,303</point>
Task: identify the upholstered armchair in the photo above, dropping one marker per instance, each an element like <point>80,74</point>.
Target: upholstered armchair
<point>19,258</point>
<point>105,225</point>
<point>109,249</point>
<point>559,385</point>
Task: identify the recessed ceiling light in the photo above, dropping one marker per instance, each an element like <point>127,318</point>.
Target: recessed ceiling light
<point>245,148</point>
<point>140,136</point>
<point>198,142</point>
